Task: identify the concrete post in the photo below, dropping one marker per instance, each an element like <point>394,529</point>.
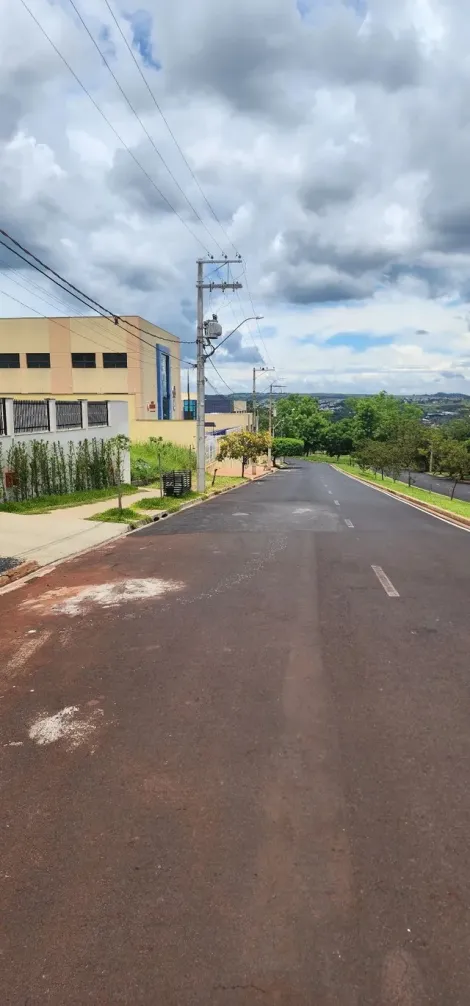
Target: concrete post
<point>10,422</point>
<point>52,416</point>
<point>84,405</point>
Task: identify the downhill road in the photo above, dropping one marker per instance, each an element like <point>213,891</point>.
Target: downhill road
<point>236,759</point>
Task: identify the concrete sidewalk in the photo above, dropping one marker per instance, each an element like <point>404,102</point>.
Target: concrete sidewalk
<point>49,537</point>
<point>44,539</point>
<point>87,510</point>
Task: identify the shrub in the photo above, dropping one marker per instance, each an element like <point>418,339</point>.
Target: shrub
<point>287,447</point>
<point>42,467</point>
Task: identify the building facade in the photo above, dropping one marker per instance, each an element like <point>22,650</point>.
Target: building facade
<point>92,358</point>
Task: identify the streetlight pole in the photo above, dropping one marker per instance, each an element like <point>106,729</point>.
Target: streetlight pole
<point>200,361</point>
<point>257,370</point>
<point>271,420</point>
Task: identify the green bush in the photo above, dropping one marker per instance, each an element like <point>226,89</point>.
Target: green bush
<point>287,447</point>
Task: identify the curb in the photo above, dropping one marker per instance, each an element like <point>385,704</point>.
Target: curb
<point>18,572</point>
<point>453,518</point>
<point>31,570</point>
<point>193,503</point>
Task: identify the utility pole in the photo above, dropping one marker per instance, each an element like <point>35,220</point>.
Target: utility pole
<point>201,359</point>
<point>257,370</point>
<point>271,386</point>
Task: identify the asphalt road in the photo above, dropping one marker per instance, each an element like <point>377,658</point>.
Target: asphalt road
<point>235,765</point>
<point>438,485</point>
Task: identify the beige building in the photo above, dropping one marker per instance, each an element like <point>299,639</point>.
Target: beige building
<point>92,358</point>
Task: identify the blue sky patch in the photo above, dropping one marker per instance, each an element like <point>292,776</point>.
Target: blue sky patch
<point>141,24</point>
<point>359,342</point>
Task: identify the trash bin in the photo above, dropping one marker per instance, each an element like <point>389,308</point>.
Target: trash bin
<point>177,483</point>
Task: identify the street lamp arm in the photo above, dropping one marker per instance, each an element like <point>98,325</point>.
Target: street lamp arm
<point>252,317</point>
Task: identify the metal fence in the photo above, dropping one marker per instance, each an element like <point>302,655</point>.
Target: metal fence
<point>212,448</point>
<point>68,415</point>
<point>3,418</point>
<point>30,417</point>
<point>97,414</point>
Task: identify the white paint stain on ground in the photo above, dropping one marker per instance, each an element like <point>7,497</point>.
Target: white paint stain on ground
<point>302,509</point>
<point>66,725</point>
<point>78,600</point>
<point>26,651</point>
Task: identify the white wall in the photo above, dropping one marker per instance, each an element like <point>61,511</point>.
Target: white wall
<point>118,423</point>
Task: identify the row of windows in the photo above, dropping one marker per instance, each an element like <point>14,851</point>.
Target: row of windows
<point>42,361</point>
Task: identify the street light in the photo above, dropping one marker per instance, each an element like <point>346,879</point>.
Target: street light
<point>274,385</point>
<point>252,317</point>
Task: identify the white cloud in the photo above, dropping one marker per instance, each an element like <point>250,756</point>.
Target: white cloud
<point>333,145</point>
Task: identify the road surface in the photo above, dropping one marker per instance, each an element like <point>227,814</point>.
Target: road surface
<point>236,759</point>
<point>438,485</point>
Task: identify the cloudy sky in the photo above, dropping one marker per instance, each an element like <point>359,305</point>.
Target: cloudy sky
<point>331,140</point>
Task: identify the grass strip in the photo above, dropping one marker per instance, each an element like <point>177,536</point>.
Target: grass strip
<point>456,506</point>
<point>43,504</point>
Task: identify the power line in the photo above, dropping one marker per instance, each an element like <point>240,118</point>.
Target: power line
<point>50,299</point>
<point>104,116</point>
<point>79,295</point>
<point>268,358</point>
<point>93,304</point>
<point>167,124</point>
<point>133,110</point>
<point>32,266</point>
<point>220,376</point>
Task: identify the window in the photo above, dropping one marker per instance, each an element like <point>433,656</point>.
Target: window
<point>30,417</point>
<point>86,361</point>
<point>190,408</point>
<point>68,415</point>
<point>115,360</point>
<point>97,413</point>
<point>10,361</point>
<point>40,360</point>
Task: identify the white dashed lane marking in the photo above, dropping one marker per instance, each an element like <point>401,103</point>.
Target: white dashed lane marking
<point>349,523</point>
<point>336,502</point>
<point>386,583</point>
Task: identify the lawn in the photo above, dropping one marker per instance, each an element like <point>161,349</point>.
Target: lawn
<point>128,515</point>
<point>171,504</point>
<point>320,458</point>
<point>144,458</point>
<point>423,495</point>
<point>43,504</point>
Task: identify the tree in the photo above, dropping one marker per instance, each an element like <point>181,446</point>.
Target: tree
<point>339,438</point>
<point>458,429</point>
<point>287,447</point>
<point>454,459</point>
<point>243,446</point>
<point>119,445</point>
<point>299,416</point>
<point>381,417</point>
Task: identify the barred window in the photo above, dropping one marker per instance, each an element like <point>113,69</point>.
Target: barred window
<point>68,415</point>
<point>97,413</point>
<point>30,417</point>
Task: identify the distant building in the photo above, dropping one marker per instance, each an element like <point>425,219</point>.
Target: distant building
<point>92,358</point>
<point>214,404</point>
